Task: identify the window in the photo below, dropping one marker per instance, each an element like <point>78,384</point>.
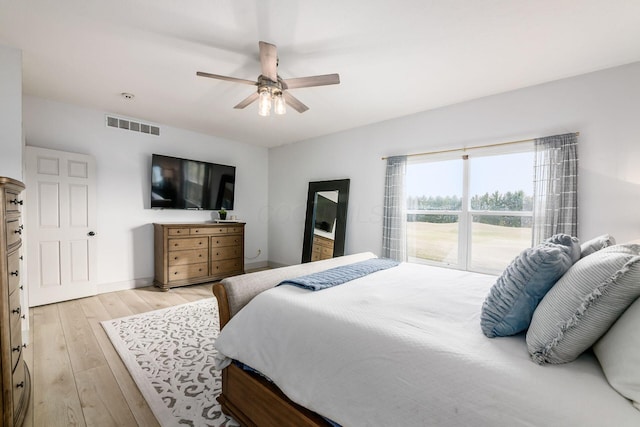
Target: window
<point>473,212</point>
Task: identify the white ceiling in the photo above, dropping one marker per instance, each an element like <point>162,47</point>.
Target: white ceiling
<point>394,57</point>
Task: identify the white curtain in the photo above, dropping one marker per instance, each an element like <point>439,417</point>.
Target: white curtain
<point>555,194</point>
<point>394,218</point>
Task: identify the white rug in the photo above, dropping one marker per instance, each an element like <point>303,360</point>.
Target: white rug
<point>170,354</point>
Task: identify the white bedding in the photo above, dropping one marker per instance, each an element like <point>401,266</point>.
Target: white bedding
<point>403,347</point>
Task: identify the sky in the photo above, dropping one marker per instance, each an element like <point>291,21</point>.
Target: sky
<point>508,172</point>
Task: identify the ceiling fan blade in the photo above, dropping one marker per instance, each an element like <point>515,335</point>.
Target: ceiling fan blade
<point>269,60</point>
<point>294,103</point>
<point>248,100</point>
<point>230,79</point>
<point>311,81</point>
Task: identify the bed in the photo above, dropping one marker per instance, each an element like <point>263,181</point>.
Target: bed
<point>401,346</point>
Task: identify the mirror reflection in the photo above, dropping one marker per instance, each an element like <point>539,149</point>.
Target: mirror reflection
<point>324,231</point>
<point>326,220</point>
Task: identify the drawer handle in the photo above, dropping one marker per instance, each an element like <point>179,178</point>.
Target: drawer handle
<point>16,348</point>
<point>16,311</point>
<point>199,243</point>
<point>16,202</point>
<point>175,272</point>
<point>14,273</point>
<point>24,316</point>
<point>175,257</point>
<point>20,384</point>
<point>18,231</point>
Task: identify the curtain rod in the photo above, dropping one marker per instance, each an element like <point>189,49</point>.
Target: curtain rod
<point>475,147</point>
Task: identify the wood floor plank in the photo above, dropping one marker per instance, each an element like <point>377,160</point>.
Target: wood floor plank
<point>159,299</point>
<point>134,302</point>
<point>97,313</point>
<point>84,351</point>
<point>56,401</point>
<point>194,292</point>
<point>78,377</point>
<point>102,402</point>
<point>28,358</point>
<point>114,305</point>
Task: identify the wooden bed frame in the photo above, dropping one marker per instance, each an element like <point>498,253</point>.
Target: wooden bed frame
<point>252,400</point>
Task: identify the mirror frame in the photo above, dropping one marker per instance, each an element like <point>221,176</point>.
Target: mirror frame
<point>342,186</point>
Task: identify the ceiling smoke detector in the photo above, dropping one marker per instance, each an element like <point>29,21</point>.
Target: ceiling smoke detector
<point>127,95</point>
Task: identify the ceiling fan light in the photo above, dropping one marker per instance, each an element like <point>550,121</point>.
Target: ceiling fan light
<point>264,103</point>
<point>279,106</point>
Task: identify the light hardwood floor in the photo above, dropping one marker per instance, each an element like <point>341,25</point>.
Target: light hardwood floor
<point>77,377</point>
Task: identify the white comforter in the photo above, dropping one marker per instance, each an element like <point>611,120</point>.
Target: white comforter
<point>403,347</point>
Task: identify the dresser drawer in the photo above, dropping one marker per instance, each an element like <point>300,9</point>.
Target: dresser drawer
<point>189,243</point>
<point>219,241</point>
<point>226,266</point>
<point>234,230</point>
<point>13,201</point>
<point>189,271</point>
<point>19,385</point>
<point>14,271</point>
<point>209,231</point>
<point>192,256</point>
<point>15,311</point>
<point>178,231</point>
<point>14,232</point>
<point>225,252</point>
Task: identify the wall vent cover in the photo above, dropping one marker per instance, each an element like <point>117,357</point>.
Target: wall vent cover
<point>126,124</point>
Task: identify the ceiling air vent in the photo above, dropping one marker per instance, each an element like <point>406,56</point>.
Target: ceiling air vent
<point>126,124</point>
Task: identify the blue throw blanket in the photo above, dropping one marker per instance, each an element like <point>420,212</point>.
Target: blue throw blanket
<point>339,275</point>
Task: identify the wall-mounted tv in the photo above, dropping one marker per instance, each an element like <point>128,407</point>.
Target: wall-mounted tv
<point>190,184</point>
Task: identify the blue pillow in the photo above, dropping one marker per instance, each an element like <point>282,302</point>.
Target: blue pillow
<point>514,297</point>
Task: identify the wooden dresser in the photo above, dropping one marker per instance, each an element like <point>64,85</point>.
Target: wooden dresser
<point>322,248</point>
<point>16,381</point>
<point>186,254</point>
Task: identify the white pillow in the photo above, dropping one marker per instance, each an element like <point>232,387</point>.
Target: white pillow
<point>594,245</point>
<point>619,354</point>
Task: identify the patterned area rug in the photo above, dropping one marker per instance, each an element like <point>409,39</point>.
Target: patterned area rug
<point>170,354</point>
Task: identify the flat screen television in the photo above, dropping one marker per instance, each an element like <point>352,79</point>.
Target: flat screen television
<point>190,184</point>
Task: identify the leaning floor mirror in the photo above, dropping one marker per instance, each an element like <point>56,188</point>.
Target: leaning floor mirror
<point>326,220</point>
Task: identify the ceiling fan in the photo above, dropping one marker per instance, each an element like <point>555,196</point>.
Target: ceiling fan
<point>272,89</point>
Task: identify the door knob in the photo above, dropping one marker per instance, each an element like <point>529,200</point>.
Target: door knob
<point>91,234</point>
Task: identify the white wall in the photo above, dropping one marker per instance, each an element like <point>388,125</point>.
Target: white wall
<point>603,106</point>
<point>125,231</point>
<point>11,112</point>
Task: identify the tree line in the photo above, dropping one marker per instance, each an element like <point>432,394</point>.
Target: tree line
<point>496,201</point>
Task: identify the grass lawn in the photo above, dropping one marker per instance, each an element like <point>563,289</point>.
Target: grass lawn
<point>494,247</point>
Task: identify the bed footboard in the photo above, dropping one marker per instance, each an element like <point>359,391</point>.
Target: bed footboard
<point>247,397</point>
<point>253,401</point>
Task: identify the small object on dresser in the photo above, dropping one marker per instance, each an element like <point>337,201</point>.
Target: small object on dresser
<point>222,213</point>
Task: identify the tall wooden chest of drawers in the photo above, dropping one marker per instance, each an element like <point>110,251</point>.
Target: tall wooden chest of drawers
<point>186,254</point>
<point>16,381</point>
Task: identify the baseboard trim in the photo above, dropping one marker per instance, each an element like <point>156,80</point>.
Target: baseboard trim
<point>125,285</point>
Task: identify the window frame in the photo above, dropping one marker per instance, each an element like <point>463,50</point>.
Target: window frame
<point>465,214</point>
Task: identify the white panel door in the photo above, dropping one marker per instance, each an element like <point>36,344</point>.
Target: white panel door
<point>61,220</point>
